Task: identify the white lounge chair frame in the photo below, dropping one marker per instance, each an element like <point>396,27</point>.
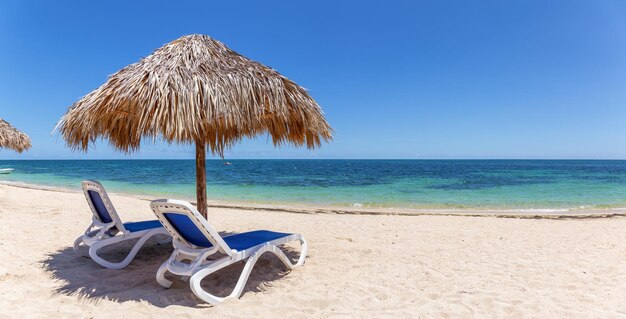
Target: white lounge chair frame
<point>199,267</point>
<point>101,234</point>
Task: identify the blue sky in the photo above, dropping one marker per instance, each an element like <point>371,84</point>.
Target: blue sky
<point>396,79</point>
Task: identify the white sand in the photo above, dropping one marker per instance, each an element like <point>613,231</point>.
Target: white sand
<point>358,266</point>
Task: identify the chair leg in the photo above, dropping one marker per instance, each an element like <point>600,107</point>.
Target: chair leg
<point>93,251</point>
<point>77,247</point>
<point>160,276</point>
<point>304,250</point>
<point>281,255</point>
<point>195,280</point>
<point>245,273</point>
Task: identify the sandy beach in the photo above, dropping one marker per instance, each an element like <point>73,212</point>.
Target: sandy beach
<point>358,266</point>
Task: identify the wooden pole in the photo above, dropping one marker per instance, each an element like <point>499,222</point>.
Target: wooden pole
<point>201,178</point>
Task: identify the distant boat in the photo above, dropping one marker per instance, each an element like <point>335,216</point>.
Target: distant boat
<point>227,163</point>
<point>6,170</point>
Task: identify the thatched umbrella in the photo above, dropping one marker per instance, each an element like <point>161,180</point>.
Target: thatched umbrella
<point>195,90</point>
<point>11,138</point>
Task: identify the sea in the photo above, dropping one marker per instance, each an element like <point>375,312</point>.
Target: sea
<point>535,185</point>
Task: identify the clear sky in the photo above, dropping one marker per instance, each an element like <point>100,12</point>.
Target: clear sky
<point>396,79</point>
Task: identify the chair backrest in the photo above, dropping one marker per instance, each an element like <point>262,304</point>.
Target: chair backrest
<point>100,204</point>
<point>187,225</point>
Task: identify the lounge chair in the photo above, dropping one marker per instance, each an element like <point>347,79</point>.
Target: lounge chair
<point>195,240</point>
<point>107,228</point>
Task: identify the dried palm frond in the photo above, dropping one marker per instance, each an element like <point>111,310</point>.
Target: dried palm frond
<point>195,90</point>
<point>13,139</point>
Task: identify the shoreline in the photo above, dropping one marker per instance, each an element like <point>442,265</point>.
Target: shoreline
<point>319,209</point>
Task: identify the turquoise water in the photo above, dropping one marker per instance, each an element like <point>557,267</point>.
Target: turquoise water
<point>445,184</point>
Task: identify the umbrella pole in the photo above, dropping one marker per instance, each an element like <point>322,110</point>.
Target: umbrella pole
<point>201,178</point>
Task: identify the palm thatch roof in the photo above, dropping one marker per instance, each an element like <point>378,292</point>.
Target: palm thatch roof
<point>13,139</point>
<point>195,90</point>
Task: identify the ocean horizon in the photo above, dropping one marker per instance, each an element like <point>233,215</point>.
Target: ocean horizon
<point>546,185</point>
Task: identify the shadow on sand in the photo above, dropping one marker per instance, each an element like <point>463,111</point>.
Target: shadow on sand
<point>80,276</point>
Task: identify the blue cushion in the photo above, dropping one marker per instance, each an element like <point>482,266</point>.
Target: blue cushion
<point>98,204</point>
<point>139,226</point>
<point>187,229</point>
<point>250,239</point>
